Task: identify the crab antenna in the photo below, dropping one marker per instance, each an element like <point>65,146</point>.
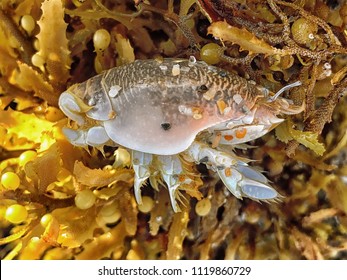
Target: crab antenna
<point>278,93</point>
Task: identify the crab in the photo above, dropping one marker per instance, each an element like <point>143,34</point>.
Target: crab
<point>172,112</point>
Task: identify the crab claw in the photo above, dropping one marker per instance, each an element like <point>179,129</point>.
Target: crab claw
<point>239,178</point>
<point>244,181</point>
<point>258,191</point>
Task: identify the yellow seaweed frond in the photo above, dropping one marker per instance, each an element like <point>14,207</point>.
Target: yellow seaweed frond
<point>242,37</point>
<point>18,125</point>
<point>124,49</point>
<point>53,42</point>
<point>28,79</point>
<point>95,178</point>
<point>285,133</point>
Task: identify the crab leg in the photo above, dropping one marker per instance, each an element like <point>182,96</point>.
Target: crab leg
<point>241,134</point>
<point>141,162</point>
<point>171,171</point>
<point>76,137</point>
<point>212,158</point>
<point>243,131</point>
<point>240,179</point>
<point>95,136</point>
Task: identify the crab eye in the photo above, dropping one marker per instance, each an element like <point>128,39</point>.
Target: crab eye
<point>202,89</point>
<point>166,126</point>
<point>223,74</point>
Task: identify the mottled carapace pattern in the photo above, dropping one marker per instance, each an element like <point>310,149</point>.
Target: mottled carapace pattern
<point>156,103</point>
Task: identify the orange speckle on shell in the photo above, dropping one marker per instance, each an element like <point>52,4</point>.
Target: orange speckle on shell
<point>112,114</point>
<point>240,133</point>
<point>197,113</point>
<point>221,106</point>
<point>228,137</point>
<point>227,171</point>
<point>181,178</point>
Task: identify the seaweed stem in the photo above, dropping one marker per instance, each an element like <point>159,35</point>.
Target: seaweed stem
<point>310,97</point>
<point>319,21</point>
<point>324,113</point>
<point>11,28</point>
<point>115,13</point>
<point>321,116</point>
<point>179,21</point>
